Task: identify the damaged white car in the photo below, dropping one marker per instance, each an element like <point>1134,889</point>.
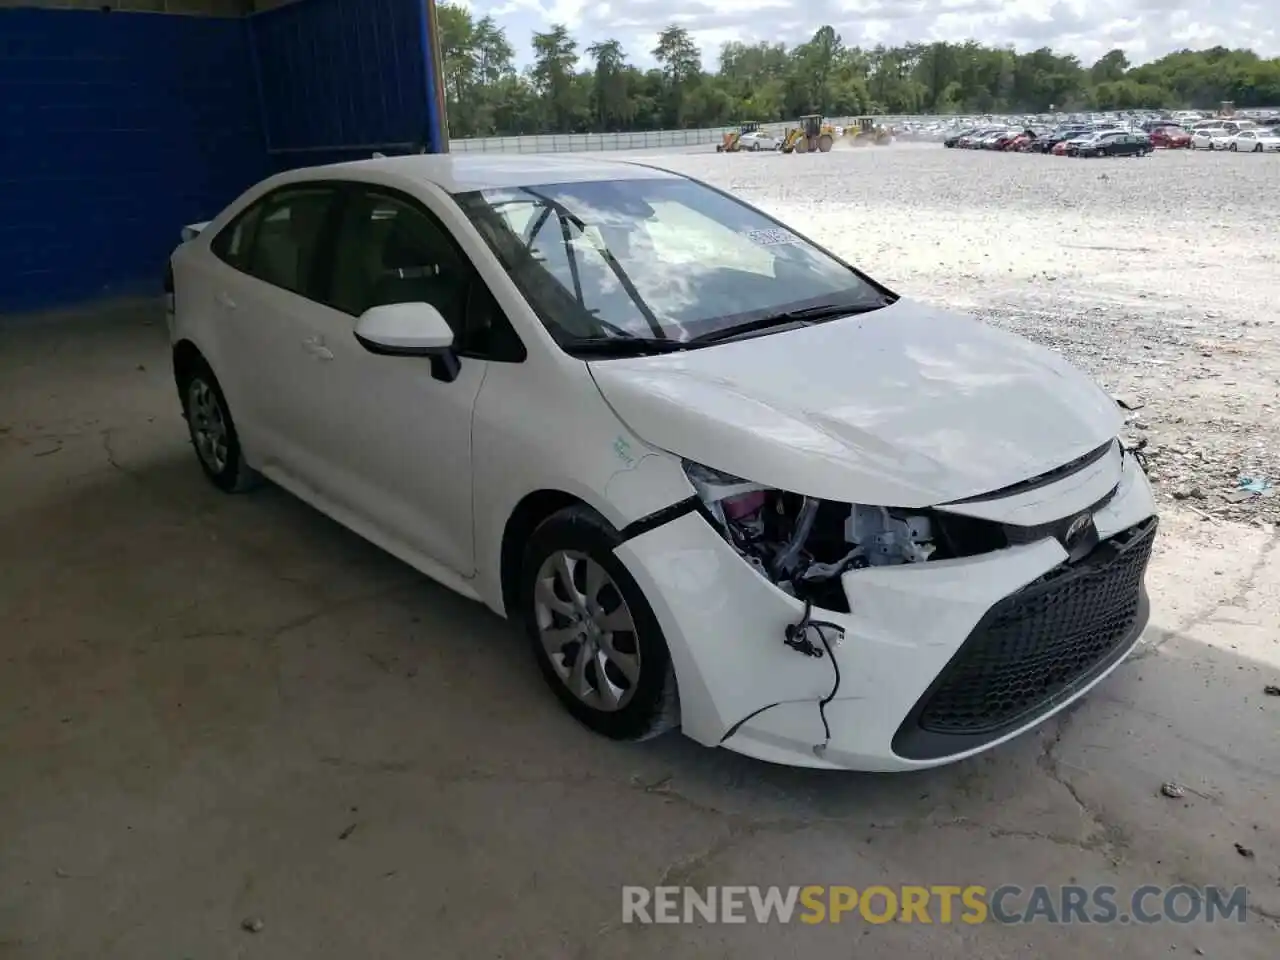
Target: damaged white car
<point>726,482</point>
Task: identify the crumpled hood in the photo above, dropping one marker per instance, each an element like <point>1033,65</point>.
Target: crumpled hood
<point>907,406</point>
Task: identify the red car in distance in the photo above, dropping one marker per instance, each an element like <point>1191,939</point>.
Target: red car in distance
<point>1170,138</point>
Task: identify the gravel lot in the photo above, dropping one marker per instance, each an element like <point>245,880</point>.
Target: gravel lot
<point>1160,276</point>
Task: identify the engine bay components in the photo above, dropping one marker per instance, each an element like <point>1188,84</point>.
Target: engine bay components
<point>803,544</point>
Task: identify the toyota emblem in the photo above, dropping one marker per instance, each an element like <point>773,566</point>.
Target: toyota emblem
<point>1077,527</point>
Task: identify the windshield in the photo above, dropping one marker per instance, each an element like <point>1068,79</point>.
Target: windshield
<point>667,259</point>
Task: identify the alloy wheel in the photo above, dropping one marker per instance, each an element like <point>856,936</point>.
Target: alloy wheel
<point>208,425</point>
<point>587,631</point>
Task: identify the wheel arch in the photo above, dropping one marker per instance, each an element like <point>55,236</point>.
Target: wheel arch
<point>532,510</point>
<point>187,358</point>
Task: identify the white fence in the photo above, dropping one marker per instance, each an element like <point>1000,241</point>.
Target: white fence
<point>583,142</point>
<point>909,128</point>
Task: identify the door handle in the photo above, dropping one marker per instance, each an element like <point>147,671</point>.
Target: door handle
<point>315,346</point>
<point>225,300</point>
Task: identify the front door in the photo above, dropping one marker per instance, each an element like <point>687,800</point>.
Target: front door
<point>392,442</point>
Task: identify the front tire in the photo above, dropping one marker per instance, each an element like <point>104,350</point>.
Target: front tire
<point>595,636</point>
<point>213,432</point>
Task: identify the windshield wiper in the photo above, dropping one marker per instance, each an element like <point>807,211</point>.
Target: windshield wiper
<point>804,315</point>
<point>628,346</point>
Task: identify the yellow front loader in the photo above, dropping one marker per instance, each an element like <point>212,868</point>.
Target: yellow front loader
<point>812,135</point>
<point>867,132</point>
<point>731,142</point>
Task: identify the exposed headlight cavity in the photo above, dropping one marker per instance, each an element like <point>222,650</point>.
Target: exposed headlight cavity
<point>803,544</point>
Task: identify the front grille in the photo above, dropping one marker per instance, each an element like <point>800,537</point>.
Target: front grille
<point>1037,645</point>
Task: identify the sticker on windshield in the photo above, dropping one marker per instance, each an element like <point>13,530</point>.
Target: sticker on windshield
<point>767,238</point>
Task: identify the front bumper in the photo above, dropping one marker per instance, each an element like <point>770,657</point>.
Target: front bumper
<point>927,647</point>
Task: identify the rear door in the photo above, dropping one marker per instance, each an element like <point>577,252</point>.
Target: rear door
<point>265,297</point>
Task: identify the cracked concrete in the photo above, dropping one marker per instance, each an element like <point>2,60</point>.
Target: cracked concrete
<point>220,707</point>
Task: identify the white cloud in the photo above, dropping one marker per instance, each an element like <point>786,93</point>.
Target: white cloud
<point>1144,29</point>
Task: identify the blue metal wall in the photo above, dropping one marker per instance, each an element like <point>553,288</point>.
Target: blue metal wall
<point>340,79</point>
<point>118,128</point>
<point>115,129</point>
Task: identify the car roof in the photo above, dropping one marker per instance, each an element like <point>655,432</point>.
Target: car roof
<point>462,172</point>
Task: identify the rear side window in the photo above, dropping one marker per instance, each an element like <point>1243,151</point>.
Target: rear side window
<point>278,238</point>
<point>288,237</point>
<point>233,243</point>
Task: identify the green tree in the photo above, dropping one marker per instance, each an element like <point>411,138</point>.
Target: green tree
<point>681,69</point>
<point>555,55</point>
<point>610,94</point>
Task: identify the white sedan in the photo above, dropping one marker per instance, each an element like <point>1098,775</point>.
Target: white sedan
<point>1256,141</point>
<point>1210,138</point>
<point>723,479</point>
<point>758,140</point>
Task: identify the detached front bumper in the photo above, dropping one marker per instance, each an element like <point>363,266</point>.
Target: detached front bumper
<point>939,660</point>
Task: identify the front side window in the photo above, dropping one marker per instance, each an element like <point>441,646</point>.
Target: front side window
<point>391,251</point>
<point>666,259</point>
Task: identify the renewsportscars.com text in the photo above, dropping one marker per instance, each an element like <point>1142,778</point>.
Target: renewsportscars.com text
<point>937,904</point>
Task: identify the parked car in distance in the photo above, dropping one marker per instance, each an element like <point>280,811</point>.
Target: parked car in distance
<point>614,405</point>
<point>1115,144</point>
<point>1049,141</point>
<point>983,139</point>
<point>1021,143</point>
<point>1210,138</point>
<point>1170,138</point>
<point>758,140</point>
<point>1005,137</point>
<point>1090,140</point>
<point>1255,141</point>
<point>1236,126</point>
<point>954,140</point>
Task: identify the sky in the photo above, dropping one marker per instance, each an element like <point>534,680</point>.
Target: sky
<point>1144,29</point>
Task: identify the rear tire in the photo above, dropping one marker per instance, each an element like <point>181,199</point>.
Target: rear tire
<point>213,431</point>
<point>578,600</point>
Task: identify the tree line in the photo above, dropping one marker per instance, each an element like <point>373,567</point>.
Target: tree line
<point>571,88</point>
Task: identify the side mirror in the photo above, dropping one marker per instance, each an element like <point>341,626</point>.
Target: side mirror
<point>410,330</point>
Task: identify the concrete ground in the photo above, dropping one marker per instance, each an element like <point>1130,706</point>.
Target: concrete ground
<point>218,708</point>
<point>215,708</point>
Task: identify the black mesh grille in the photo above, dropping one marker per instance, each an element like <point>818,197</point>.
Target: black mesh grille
<point>1043,640</point>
